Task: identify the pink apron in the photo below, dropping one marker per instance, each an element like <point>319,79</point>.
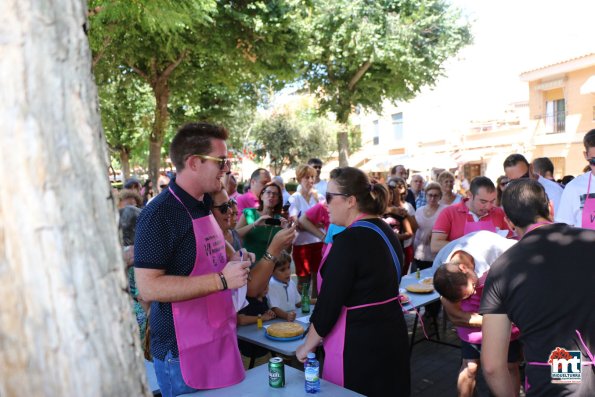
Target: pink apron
<point>471,227</point>
<point>588,219</point>
<point>206,327</point>
<point>334,342</point>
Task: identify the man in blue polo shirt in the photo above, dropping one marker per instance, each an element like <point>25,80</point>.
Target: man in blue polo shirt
<point>181,267</point>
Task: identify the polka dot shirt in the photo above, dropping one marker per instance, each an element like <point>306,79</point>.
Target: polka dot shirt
<point>165,240</point>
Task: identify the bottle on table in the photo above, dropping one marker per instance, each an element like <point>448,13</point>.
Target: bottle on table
<point>259,321</point>
<point>306,298</point>
<point>312,374</point>
<point>418,273</point>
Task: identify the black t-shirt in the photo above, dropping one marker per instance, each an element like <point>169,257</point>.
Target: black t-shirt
<point>546,285</point>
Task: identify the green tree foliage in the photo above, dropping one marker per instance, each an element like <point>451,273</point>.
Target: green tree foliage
<point>364,52</point>
<point>188,51</point>
<point>126,106</point>
<point>289,140</point>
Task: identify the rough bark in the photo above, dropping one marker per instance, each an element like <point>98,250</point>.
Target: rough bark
<point>125,162</point>
<point>66,326</point>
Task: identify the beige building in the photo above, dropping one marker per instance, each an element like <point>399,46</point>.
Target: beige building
<point>559,110</point>
<point>562,110</point>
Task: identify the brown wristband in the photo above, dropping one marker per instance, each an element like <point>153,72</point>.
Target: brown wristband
<point>223,281</point>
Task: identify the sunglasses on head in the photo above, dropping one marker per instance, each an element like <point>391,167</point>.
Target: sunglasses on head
<point>223,208</point>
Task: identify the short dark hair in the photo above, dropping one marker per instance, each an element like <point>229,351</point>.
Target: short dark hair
<point>541,165</point>
<point>282,259</point>
<point>194,138</point>
<point>449,284</point>
<point>372,198</point>
<point>256,173</point>
<point>524,200</point>
<point>589,140</point>
<point>314,160</point>
<point>514,159</point>
<point>479,182</point>
<point>566,179</point>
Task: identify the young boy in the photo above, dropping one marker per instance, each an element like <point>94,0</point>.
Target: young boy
<point>283,294</point>
<point>249,315</point>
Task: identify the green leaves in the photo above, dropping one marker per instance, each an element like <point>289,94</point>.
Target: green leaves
<point>404,42</point>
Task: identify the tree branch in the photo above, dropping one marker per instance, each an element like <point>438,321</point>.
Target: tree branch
<point>358,75</point>
<point>171,67</point>
<point>139,72</point>
<point>101,52</point>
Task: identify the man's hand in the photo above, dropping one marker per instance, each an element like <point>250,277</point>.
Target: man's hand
<point>236,273</point>
<point>243,255</point>
<point>290,316</point>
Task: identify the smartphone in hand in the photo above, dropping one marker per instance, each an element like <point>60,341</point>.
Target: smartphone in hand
<point>272,222</point>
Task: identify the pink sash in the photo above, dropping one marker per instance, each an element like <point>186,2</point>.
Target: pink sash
<point>206,327</point>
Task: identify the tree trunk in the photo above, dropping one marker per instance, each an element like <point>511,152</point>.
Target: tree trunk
<point>343,146</point>
<point>66,322</point>
<point>343,137</point>
<point>161,91</point>
<point>125,162</point>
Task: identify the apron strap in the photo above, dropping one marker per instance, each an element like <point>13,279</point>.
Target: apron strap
<point>372,226</point>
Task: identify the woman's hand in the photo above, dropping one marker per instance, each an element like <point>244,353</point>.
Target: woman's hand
<point>260,221</point>
<point>302,353</point>
<point>282,240</point>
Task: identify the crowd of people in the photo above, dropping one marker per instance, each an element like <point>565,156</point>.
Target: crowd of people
<point>512,261</point>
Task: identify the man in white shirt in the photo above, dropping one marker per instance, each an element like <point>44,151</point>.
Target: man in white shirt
<point>319,184</point>
<point>577,205</point>
<point>516,166</point>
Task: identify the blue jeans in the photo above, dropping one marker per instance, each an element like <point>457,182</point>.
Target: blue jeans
<point>169,376</point>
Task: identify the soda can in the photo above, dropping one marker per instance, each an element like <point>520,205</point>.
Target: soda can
<point>276,372</point>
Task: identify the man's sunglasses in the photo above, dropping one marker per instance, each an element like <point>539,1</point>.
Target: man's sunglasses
<point>329,196</point>
<point>223,208</point>
<point>591,160</point>
<point>223,162</point>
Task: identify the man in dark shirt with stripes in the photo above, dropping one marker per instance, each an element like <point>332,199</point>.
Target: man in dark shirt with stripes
<point>181,267</point>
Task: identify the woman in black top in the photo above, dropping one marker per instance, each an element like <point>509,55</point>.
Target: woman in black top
<point>357,313</point>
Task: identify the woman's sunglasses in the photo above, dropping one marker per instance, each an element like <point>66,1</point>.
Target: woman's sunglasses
<point>223,208</point>
<point>329,196</point>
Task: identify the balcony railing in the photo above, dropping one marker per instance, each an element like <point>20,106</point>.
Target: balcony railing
<point>554,123</point>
